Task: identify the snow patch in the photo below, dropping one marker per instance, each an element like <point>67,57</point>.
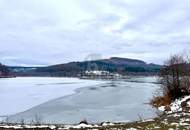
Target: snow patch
<point>162,108</point>
<point>27,126</point>
<point>131,129</point>
<point>107,124</point>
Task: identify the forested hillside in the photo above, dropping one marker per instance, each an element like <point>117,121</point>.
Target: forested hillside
<point>123,66</point>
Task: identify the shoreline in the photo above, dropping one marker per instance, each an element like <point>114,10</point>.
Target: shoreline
<point>166,122</point>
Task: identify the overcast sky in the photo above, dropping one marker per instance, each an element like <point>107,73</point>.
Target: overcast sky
<point>45,32</point>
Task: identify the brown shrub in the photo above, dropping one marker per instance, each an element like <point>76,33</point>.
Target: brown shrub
<point>161,101</point>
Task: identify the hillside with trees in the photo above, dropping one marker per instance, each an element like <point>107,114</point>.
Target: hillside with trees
<point>4,71</point>
<point>122,66</point>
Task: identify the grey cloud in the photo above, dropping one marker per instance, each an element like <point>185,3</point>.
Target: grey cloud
<point>39,33</point>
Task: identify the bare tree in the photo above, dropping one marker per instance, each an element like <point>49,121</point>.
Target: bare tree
<point>22,121</point>
<point>175,77</point>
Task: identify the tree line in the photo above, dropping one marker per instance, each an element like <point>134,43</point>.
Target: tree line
<point>4,71</point>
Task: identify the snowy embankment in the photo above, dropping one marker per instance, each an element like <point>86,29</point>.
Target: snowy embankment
<point>151,124</point>
<point>61,127</point>
<point>177,113</point>
<point>51,127</point>
<point>102,126</point>
<point>179,105</point>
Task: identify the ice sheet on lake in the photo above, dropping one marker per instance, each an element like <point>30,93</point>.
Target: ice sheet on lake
<point>119,100</point>
<point>19,94</point>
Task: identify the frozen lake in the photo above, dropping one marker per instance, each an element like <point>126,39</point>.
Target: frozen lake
<point>70,100</point>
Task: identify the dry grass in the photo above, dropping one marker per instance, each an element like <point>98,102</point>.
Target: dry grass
<point>158,101</point>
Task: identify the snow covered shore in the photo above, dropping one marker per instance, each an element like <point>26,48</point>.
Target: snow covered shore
<point>179,105</point>
<point>161,123</point>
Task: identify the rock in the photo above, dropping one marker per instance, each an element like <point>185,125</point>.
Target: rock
<point>184,104</point>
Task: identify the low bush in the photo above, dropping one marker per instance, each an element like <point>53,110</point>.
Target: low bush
<point>158,101</point>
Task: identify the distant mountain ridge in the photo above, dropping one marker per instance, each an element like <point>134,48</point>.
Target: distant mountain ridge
<point>123,66</point>
<point>123,61</point>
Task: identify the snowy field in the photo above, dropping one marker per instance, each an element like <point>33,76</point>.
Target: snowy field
<point>70,100</point>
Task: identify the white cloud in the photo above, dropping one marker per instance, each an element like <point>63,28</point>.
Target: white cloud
<point>42,32</point>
